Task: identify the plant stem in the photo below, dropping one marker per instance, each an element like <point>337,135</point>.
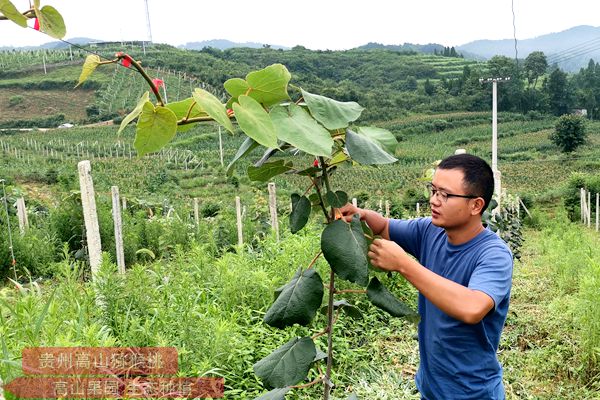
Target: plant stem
<point>314,260</point>
<point>143,72</point>
<point>319,379</point>
<point>330,310</point>
<point>318,190</point>
<point>325,173</point>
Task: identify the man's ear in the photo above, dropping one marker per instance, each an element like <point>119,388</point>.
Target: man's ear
<point>477,206</point>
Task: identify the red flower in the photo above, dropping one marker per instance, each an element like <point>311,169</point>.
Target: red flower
<point>316,163</point>
<point>229,112</point>
<point>36,24</point>
<point>158,82</point>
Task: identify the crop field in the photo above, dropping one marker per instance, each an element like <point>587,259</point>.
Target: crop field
<point>202,275</point>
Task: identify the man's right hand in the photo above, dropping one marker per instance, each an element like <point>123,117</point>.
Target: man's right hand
<point>376,221</point>
<point>349,210</point>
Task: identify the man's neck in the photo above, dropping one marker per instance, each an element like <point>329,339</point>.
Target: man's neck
<point>462,234</point>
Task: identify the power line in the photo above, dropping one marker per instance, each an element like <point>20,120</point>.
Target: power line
<point>512,3</point>
<point>575,48</point>
<point>574,55</point>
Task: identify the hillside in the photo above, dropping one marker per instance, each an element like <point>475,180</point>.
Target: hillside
<point>378,79</point>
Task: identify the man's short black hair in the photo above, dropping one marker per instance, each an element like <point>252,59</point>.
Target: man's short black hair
<point>478,175</point>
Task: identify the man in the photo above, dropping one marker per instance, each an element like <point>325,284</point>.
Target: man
<point>463,273</point>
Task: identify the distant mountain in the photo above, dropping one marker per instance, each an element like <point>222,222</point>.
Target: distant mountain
<point>570,49</point>
<point>81,41</point>
<point>223,44</point>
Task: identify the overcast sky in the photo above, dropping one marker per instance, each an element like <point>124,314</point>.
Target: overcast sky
<point>315,24</point>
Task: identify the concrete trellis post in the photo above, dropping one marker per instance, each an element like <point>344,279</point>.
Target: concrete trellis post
<point>124,203</point>
<point>238,214</point>
<point>418,209</point>
<point>354,202</point>
<point>273,209</point>
<point>118,223</point>
<point>22,215</point>
<point>90,216</point>
<point>387,208</point>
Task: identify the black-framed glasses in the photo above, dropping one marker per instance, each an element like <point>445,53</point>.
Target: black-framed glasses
<point>433,191</point>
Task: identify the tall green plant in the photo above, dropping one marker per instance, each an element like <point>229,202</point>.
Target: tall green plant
<point>315,125</point>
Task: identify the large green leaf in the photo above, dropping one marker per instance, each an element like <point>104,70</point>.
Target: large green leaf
<point>10,11</point>
<point>365,150</point>
<point>296,127</point>
<point>345,249</point>
<point>268,170</point>
<point>181,109</point>
<point>269,85</point>
<point>255,121</point>
<point>287,365</point>
<point>51,22</point>
<point>300,212</point>
<point>247,146</point>
<point>336,199</point>
<point>236,87</point>
<point>385,138</point>
<point>135,113</point>
<point>156,127</point>
<point>275,394</point>
<point>384,299</point>
<point>298,302</point>
<point>213,107</point>
<point>90,64</point>
<point>331,113</point>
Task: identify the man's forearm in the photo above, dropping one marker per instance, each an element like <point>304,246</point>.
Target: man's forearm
<point>458,301</point>
<point>378,223</point>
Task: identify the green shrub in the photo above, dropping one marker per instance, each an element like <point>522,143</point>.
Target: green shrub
<point>569,132</point>
<point>15,100</point>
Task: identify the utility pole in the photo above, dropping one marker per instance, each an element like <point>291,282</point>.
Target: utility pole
<point>497,175</point>
<point>148,22</point>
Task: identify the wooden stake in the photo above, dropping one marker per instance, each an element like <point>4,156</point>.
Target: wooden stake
<point>118,224</point>
<point>238,213</point>
<point>589,210</point>
<point>273,209</point>
<point>221,147</point>
<point>581,204</point>
<point>88,202</point>
<point>387,209</point>
<point>22,215</point>
<point>196,212</point>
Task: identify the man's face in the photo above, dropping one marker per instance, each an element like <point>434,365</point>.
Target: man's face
<point>454,211</point>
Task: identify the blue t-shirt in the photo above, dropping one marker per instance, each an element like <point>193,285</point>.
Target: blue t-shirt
<point>458,360</point>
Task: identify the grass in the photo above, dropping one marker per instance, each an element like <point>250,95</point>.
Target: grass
<point>211,310</point>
